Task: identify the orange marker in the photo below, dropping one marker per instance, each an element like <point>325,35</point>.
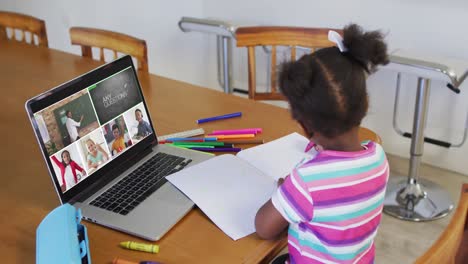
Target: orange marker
<point>123,261</point>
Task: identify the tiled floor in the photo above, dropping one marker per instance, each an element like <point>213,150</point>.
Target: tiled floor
<point>402,242</point>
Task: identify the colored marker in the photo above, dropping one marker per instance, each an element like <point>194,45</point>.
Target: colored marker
<point>214,118</point>
<point>151,248</point>
<point>225,146</point>
<point>192,139</point>
<point>191,146</point>
<point>124,261</point>
<point>218,149</point>
<point>235,136</point>
<point>246,141</point>
<point>211,143</point>
<point>237,131</point>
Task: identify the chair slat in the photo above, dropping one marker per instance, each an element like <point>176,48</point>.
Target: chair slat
<point>115,54</point>
<point>252,70</point>
<point>273,69</point>
<point>86,52</point>
<point>293,53</point>
<point>101,54</point>
<point>21,36</point>
<point>3,33</point>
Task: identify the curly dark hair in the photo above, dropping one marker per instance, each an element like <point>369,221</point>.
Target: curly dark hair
<point>326,90</point>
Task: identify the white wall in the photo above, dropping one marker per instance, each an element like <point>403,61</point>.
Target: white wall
<point>429,27</point>
<point>171,53</point>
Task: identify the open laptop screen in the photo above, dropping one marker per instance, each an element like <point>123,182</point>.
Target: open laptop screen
<point>83,132</point>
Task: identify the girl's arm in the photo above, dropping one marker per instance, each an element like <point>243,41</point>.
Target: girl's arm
<point>77,167</point>
<point>62,171</point>
<point>269,223</point>
<point>57,162</point>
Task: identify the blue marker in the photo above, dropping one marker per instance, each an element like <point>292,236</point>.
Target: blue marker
<point>214,118</point>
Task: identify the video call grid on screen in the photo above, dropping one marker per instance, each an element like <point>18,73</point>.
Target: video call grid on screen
<point>108,118</point>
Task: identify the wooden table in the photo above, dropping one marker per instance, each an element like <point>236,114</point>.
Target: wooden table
<point>26,191</point>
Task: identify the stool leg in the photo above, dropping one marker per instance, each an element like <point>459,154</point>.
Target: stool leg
<point>412,198</point>
<point>227,64</point>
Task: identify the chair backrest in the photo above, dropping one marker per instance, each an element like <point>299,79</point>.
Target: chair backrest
<point>250,37</point>
<point>367,134</point>
<point>23,24</point>
<point>116,42</point>
<point>447,246</point>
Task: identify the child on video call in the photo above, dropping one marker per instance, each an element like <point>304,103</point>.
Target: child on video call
<point>119,142</point>
<point>332,203</point>
<point>96,154</point>
<point>144,128</point>
<point>68,168</point>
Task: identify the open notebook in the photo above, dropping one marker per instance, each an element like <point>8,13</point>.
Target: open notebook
<point>230,189</point>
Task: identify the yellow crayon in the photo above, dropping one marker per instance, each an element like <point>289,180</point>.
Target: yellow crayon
<point>140,246</point>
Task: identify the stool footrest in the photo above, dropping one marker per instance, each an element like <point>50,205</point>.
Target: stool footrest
<point>431,140</point>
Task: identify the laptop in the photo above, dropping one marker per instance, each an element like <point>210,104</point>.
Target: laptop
<point>102,152</point>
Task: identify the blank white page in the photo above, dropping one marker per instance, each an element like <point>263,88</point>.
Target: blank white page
<point>229,190</point>
<point>278,157</point>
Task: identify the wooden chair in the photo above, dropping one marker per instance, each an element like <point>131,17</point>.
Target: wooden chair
<point>312,38</point>
<point>452,245</point>
<point>104,39</point>
<point>251,37</point>
<point>23,23</point>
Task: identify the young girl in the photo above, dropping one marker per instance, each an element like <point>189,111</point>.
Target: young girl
<point>333,202</point>
<point>68,169</point>
<point>96,154</point>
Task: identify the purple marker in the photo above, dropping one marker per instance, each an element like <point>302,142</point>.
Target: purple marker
<point>214,118</point>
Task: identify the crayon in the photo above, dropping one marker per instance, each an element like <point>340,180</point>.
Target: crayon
<point>151,248</point>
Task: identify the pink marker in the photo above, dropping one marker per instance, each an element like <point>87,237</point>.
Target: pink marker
<point>237,131</point>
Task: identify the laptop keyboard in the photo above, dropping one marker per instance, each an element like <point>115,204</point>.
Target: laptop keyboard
<point>130,191</point>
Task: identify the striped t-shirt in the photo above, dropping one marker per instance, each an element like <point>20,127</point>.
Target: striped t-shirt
<point>333,203</point>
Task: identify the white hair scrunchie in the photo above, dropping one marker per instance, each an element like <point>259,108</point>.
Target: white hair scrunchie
<point>336,38</point>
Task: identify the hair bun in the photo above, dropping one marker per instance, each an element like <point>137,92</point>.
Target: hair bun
<point>368,48</point>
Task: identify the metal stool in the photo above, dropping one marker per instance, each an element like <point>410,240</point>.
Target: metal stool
<point>411,198</point>
<point>225,33</point>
